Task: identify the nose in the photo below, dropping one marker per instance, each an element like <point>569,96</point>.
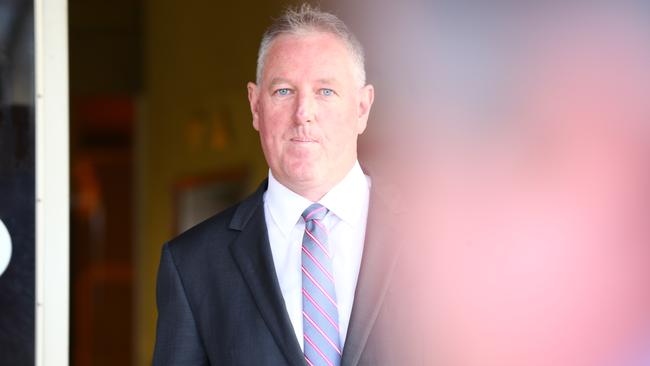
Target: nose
<point>305,109</point>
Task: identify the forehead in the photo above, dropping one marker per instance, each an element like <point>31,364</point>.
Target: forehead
<point>308,55</point>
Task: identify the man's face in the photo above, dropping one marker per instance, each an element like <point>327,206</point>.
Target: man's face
<point>309,110</point>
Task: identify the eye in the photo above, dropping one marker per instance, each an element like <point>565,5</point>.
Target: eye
<point>283,91</point>
<point>327,92</point>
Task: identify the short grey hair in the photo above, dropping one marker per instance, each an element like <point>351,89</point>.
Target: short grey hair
<point>305,19</point>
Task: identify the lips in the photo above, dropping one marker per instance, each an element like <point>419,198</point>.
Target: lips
<point>303,139</point>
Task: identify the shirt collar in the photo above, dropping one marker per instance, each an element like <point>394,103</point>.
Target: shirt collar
<point>346,200</point>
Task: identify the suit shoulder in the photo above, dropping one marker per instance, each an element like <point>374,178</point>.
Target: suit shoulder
<point>213,233</point>
<point>218,230</point>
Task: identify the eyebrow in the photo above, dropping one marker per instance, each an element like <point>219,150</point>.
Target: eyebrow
<point>327,81</point>
<point>276,81</point>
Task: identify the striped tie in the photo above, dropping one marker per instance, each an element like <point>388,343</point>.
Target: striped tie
<point>319,309</point>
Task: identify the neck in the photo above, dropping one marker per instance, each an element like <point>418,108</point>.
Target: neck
<point>313,193</point>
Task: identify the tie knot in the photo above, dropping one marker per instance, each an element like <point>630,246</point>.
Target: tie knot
<point>314,212</point>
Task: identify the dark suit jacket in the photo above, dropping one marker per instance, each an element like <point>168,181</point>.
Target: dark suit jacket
<point>219,301</point>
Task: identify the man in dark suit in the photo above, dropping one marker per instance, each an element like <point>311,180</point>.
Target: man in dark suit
<point>298,273</point>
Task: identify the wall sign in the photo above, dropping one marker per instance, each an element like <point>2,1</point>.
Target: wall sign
<point>5,248</point>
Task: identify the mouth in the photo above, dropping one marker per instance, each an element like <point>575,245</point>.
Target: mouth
<point>303,140</point>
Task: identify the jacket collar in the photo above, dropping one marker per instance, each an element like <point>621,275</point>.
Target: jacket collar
<point>380,256</point>
<point>252,253</point>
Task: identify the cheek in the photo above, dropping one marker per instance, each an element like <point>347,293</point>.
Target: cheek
<point>339,125</point>
<point>274,121</point>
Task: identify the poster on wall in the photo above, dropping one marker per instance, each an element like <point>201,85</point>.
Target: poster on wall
<point>17,184</point>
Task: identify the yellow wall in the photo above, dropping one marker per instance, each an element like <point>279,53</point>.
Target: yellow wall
<point>198,57</point>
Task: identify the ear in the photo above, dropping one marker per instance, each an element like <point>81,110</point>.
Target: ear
<point>253,99</point>
<point>366,97</point>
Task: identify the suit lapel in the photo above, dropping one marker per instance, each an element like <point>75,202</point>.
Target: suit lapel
<point>252,253</point>
<point>379,258</point>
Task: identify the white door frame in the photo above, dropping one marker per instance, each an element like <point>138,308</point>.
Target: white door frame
<point>52,182</point>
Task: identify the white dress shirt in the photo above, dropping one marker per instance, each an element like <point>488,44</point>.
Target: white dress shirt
<point>346,220</point>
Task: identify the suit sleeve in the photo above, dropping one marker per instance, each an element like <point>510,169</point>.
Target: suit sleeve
<point>177,338</point>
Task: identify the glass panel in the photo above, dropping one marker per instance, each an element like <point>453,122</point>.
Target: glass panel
<point>17,183</point>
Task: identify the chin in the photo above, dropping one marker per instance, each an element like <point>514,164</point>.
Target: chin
<point>303,173</point>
